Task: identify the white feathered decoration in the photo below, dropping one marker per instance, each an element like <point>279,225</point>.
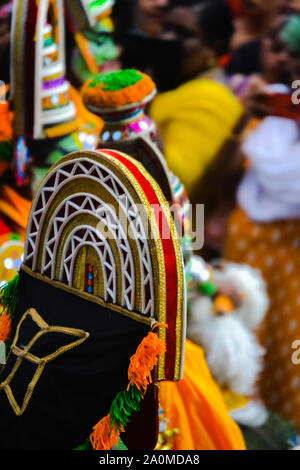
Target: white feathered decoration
<point>251,286</point>
<point>231,347</point>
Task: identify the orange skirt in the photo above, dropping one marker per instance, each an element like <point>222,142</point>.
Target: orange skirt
<point>195,406</point>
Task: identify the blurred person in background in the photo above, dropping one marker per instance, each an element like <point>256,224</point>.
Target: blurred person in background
<point>150,16</point>
<point>201,119</point>
<point>264,229</point>
<point>257,17</point>
<point>145,16</point>
<point>279,65</point>
<point>255,20</point>
<point>138,28</point>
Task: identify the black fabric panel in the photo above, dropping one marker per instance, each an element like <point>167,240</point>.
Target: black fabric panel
<point>75,390</point>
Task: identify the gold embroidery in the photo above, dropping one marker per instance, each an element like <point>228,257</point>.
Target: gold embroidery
<point>24,353</point>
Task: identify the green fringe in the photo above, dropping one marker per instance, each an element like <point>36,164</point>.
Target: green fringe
<point>10,296</point>
<point>120,446</point>
<point>86,446</point>
<point>125,403</point>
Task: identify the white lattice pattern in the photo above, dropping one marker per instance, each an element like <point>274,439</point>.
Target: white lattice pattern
<point>85,168</point>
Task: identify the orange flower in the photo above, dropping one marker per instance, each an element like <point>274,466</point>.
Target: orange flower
<point>6,117</point>
<point>5,327</point>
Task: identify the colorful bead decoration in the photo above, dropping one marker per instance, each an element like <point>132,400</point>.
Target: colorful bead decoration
<point>89,279</point>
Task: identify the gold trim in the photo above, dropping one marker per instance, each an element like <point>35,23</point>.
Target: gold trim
<point>40,361</point>
<point>180,319</point>
<point>159,250</point>
<point>91,298</point>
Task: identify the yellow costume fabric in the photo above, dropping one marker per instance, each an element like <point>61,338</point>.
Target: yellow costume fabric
<point>273,248</point>
<point>196,407</point>
<point>195,121</point>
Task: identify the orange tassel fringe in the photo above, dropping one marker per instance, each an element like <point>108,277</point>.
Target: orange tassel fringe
<point>144,361</point>
<point>104,437</point>
<point>5,327</point>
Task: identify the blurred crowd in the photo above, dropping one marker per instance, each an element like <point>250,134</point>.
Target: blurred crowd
<point>228,117</point>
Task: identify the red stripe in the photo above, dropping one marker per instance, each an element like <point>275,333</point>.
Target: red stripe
<point>170,263</point>
<point>3,227</point>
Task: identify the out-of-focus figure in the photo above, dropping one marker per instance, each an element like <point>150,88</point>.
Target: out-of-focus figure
<point>201,119</point>
<point>264,230</point>
<point>138,29</point>
<point>255,20</point>
<point>145,16</point>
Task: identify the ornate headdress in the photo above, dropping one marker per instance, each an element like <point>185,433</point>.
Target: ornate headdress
<point>103,264</point>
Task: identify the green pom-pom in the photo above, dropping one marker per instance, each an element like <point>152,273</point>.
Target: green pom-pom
<point>10,295</point>
<point>208,288</point>
<point>125,403</point>
<point>118,80</point>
